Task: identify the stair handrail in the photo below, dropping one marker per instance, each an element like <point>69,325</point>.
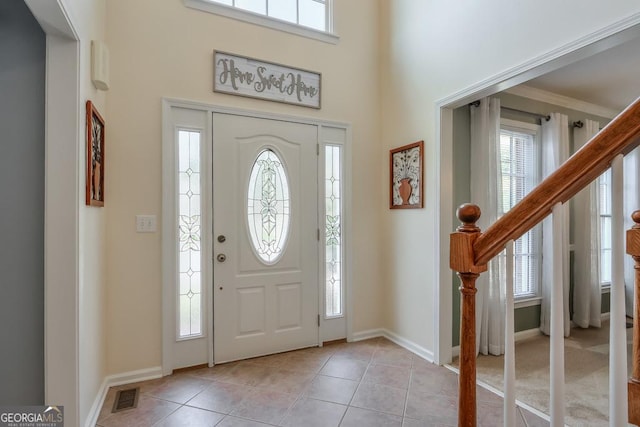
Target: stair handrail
<point>471,249</point>
<point>620,136</point>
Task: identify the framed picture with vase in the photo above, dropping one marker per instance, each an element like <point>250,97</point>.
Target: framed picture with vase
<point>405,170</point>
<point>95,157</point>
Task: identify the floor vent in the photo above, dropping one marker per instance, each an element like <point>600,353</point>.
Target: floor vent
<point>126,399</point>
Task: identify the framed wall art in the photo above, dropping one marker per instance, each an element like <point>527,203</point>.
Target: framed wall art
<point>95,157</point>
<point>405,170</point>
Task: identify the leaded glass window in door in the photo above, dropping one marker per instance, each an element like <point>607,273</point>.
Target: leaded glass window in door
<point>333,231</point>
<point>268,206</point>
<point>189,235</point>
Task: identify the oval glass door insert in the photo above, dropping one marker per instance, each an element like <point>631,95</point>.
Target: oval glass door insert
<point>268,206</point>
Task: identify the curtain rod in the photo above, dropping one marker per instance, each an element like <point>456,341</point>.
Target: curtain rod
<point>515,110</point>
<point>577,124</point>
<point>540,116</point>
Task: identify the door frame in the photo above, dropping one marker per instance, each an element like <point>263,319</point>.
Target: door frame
<point>63,186</point>
<point>584,47</point>
<point>168,209</point>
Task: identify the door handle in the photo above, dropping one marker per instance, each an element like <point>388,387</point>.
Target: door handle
<point>221,257</point>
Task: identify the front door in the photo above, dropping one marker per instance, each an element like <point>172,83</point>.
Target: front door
<point>265,225</point>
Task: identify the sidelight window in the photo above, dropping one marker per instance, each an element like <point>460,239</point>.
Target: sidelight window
<point>189,235</point>
<point>333,231</point>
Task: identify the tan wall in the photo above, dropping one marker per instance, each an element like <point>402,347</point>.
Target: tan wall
<point>88,17</point>
<point>163,49</point>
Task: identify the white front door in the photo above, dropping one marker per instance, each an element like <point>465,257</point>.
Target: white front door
<point>265,232</point>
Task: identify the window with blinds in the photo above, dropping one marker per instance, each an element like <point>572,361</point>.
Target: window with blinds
<point>604,183</point>
<point>519,166</point>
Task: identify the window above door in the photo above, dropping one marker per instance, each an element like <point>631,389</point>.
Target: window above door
<point>307,18</point>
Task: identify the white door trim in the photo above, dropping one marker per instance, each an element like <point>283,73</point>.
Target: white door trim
<point>584,47</point>
<point>63,134</point>
<point>168,300</point>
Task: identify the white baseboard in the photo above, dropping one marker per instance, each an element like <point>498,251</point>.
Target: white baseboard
<point>455,351</point>
<point>518,336</point>
<point>529,333</point>
<point>365,335</point>
<point>115,380</point>
<point>605,316</point>
<point>501,394</point>
<point>94,413</point>
<point>518,402</point>
<point>392,336</point>
<point>409,345</point>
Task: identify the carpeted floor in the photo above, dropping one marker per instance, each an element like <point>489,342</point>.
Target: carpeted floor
<point>586,374</point>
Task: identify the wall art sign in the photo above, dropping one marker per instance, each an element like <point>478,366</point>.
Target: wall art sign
<point>405,169</point>
<point>95,157</point>
<point>240,75</point>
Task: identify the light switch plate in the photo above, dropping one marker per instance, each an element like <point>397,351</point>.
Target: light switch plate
<point>146,224</point>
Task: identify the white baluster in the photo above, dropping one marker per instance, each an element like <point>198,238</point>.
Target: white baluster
<point>617,323</point>
<point>509,345</point>
<point>557,323</point>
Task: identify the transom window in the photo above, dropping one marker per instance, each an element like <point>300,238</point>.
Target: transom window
<point>309,18</point>
<point>308,13</point>
<point>518,151</point>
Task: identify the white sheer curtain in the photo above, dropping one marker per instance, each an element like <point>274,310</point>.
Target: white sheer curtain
<point>587,293</point>
<point>555,150</point>
<point>486,193</point>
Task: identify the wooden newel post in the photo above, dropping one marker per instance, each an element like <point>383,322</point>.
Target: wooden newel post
<point>462,261</point>
<point>633,249</point>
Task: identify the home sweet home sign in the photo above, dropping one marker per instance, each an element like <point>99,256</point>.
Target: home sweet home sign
<point>243,76</point>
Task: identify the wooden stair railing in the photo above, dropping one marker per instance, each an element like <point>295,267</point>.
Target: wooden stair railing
<point>471,249</point>
<point>633,249</point>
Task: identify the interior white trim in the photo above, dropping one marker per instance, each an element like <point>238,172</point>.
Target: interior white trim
<point>442,313</point>
<point>409,345</point>
<point>133,376</point>
<point>96,407</point>
<point>527,302</point>
<point>392,336</point>
<point>498,392</point>
<point>598,41</point>
<point>366,335</point>
<point>168,305</point>
<point>266,21</point>
<point>562,101</point>
<point>576,50</point>
<point>116,380</point>
<point>63,134</point>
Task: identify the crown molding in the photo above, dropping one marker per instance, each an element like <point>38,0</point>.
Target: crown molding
<point>581,48</point>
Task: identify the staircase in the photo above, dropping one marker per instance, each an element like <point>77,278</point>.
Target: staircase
<point>471,249</point>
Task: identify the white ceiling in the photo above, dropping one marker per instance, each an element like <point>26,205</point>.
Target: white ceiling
<point>609,79</point>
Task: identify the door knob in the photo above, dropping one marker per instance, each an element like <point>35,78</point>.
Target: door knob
<point>221,257</point>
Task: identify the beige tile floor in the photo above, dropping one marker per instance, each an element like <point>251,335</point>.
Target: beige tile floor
<point>365,384</point>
